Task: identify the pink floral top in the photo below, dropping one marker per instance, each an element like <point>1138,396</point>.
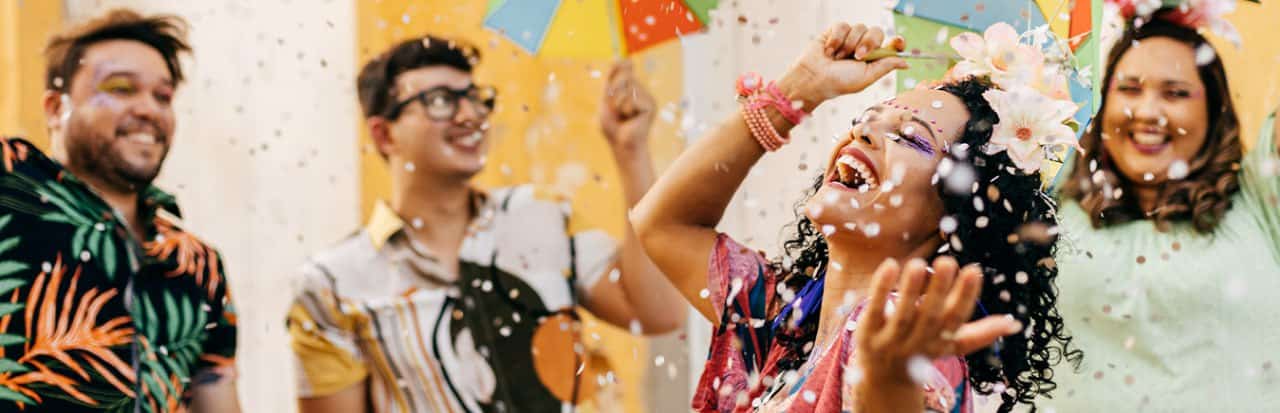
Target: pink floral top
<point>742,372</point>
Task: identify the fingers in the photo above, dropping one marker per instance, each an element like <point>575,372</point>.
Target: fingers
<point>834,38</point>
<point>882,67</point>
<point>621,93</point>
<point>882,282</point>
<point>963,297</point>
<point>905,309</point>
<point>851,41</point>
<point>931,315</point>
<point>979,334</point>
<point>873,38</point>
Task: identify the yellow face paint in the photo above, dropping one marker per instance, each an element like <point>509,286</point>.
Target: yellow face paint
<point>116,84</point>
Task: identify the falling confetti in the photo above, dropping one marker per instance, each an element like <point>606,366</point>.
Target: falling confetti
<point>1205,54</point>
<point>948,224</point>
<point>1178,169</point>
<point>920,369</point>
<point>871,229</point>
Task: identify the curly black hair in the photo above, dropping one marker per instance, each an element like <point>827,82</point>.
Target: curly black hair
<point>1008,226</point>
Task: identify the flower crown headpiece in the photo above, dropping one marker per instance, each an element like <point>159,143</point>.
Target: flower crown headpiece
<point>1031,96</point>
<point>1193,14</point>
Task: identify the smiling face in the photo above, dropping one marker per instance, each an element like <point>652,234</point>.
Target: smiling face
<point>879,183</point>
<point>117,120</point>
<point>1156,111</point>
<point>453,147</point>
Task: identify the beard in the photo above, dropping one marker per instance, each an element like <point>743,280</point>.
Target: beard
<point>107,158</point>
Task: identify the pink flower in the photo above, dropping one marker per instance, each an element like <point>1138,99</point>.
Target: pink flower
<point>1208,14</point>
<point>1029,121</point>
<point>1195,14</point>
<point>997,54</point>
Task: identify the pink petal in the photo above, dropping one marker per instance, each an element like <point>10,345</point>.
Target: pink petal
<point>968,45</point>
<point>1000,36</point>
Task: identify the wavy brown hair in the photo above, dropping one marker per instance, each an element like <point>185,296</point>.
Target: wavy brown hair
<point>1204,196</point>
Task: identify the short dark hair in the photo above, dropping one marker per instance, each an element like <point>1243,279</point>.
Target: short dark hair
<point>164,32</point>
<point>377,80</point>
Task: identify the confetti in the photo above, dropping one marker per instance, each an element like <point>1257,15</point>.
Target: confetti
<point>937,104</point>
<point>1205,54</point>
<point>1178,169</point>
<point>920,369</point>
<point>948,224</point>
<point>871,229</point>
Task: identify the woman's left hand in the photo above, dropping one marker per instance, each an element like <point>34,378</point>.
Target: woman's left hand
<point>927,319</point>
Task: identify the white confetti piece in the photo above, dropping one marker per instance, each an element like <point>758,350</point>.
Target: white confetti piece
<point>948,224</point>
<point>1178,169</point>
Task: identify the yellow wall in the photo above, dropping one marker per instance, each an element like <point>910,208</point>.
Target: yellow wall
<point>544,130</point>
<point>24,28</point>
<point>1251,70</point>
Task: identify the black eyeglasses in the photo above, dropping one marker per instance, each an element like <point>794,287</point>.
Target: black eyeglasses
<point>442,103</point>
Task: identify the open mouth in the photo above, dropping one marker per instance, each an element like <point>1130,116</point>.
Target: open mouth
<point>470,141</point>
<point>853,171</point>
<point>1149,141</point>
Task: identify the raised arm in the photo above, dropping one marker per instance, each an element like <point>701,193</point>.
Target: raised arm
<point>676,219</point>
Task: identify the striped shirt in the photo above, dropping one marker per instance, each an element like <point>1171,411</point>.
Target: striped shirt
<point>378,306</point>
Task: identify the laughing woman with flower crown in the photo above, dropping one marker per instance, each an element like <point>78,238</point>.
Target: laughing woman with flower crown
<point>907,184</point>
<point>1172,276</point>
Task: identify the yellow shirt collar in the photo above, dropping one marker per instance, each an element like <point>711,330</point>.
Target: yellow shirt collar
<point>383,223</point>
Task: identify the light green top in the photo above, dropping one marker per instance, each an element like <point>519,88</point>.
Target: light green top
<point>1176,321</point>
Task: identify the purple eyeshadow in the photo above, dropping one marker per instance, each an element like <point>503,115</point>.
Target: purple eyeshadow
<point>919,144</point>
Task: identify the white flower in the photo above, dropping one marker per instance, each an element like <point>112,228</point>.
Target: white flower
<point>997,54</point>
<point>1029,121</point>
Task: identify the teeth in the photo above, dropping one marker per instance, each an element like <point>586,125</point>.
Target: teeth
<point>142,137</point>
<point>1144,138</point>
<point>470,140</point>
<point>847,164</point>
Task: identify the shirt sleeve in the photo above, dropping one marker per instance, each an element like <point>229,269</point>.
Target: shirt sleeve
<point>220,346</point>
<point>1260,184</point>
<point>740,280</point>
<point>595,251</point>
<point>323,337</point>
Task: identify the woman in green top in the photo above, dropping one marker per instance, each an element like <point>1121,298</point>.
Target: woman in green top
<point>1170,257</point>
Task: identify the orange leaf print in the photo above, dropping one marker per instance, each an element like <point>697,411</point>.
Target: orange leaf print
<point>172,400</point>
<point>194,257</point>
<point>71,337</point>
<point>10,153</point>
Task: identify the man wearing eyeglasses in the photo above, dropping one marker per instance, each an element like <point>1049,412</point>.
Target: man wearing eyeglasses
<point>456,299</point>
